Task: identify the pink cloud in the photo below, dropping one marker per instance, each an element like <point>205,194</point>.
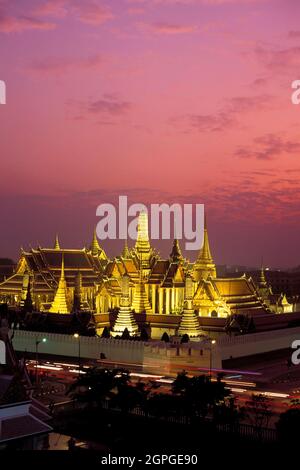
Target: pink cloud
<point>279,60</point>
<point>223,2</point>
<point>92,12</point>
<point>109,104</point>
<point>227,116</point>
<point>210,122</point>
<point>202,2</point>
<point>268,147</point>
<point>59,65</point>
<point>56,8</point>
<point>10,24</point>
<point>294,34</point>
<point>136,11</point>
<point>109,107</point>
<point>167,28</point>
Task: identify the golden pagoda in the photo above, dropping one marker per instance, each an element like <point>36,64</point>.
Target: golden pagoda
<point>204,266</point>
<point>140,303</point>
<point>125,253</point>
<point>189,323</point>
<point>262,278</point>
<point>60,303</point>
<point>56,244</point>
<point>142,252</point>
<point>95,248</point>
<point>125,318</point>
<point>176,254</point>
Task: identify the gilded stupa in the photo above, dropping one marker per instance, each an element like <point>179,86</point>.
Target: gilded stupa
<point>60,303</point>
<point>204,266</point>
<point>189,323</point>
<point>125,318</point>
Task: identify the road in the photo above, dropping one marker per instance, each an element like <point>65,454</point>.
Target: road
<point>55,376</point>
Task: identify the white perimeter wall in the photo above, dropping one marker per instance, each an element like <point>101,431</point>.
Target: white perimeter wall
<point>90,347</point>
<point>256,343</point>
<point>139,352</point>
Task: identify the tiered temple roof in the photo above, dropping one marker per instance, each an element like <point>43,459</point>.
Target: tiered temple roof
<point>152,280</point>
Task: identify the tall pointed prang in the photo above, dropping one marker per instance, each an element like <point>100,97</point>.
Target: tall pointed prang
<point>56,244</point>
<point>204,265</point>
<point>60,303</point>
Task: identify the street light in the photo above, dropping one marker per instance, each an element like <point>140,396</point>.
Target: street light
<point>212,341</point>
<point>77,336</point>
<point>43,340</point>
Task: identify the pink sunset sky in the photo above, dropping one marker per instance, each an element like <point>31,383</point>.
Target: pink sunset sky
<point>160,100</point>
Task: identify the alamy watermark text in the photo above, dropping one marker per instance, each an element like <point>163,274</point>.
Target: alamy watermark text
<point>188,222</point>
<point>2,92</point>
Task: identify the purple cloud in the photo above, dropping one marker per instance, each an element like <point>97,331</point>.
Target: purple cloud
<point>60,65</point>
<point>109,104</point>
<point>167,28</point>
<point>268,147</point>
<point>225,117</point>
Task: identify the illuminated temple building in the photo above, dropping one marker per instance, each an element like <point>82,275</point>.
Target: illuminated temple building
<point>136,286</point>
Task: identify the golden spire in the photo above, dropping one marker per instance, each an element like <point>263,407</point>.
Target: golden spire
<point>140,303</point>
<point>142,242</point>
<point>126,252</point>
<point>60,303</point>
<point>142,249</point>
<point>56,245</point>
<point>95,247</point>
<point>176,254</point>
<point>205,253</point>
<point>262,277</point>
<point>204,265</point>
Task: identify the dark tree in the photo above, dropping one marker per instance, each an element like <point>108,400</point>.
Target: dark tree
<point>28,307</point>
<point>165,337</point>
<point>98,385</point>
<point>181,383</point>
<point>125,334</point>
<point>129,396</point>
<point>259,411</point>
<point>200,394</point>
<point>228,412</point>
<point>185,338</point>
<point>164,405</point>
<point>144,335</point>
<point>288,426</point>
<point>105,332</point>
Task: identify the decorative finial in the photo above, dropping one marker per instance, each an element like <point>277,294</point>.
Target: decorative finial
<point>56,245</point>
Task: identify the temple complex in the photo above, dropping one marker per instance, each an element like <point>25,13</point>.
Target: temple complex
<point>169,294</point>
